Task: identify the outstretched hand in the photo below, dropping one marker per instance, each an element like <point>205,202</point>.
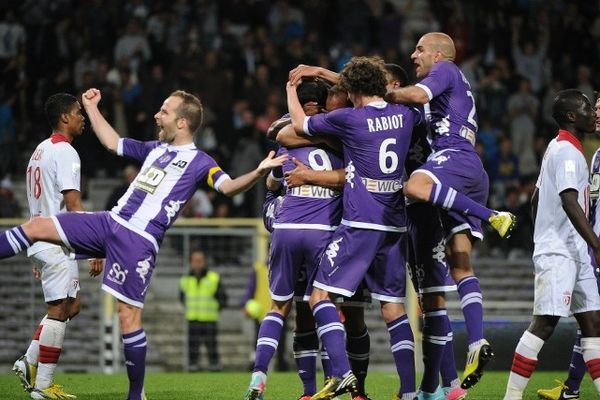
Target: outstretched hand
<point>271,162</point>
<point>91,97</point>
<point>295,177</point>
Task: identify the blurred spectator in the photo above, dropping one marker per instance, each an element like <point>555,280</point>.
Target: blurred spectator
<point>129,174</point>
<point>133,47</point>
<point>199,206</point>
<point>12,37</point>
<point>7,133</point>
<point>522,114</point>
<point>9,207</point>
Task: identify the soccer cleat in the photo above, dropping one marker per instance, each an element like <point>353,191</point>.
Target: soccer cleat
<point>305,397</point>
<point>455,393</point>
<point>360,396</point>
<point>53,391</point>
<point>560,392</point>
<point>26,373</point>
<point>503,222</point>
<point>476,361</point>
<point>336,386</point>
<point>257,387</point>
<point>437,395</point>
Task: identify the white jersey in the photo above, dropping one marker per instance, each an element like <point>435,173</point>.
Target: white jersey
<point>563,167</point>
<point>53,168</point>
<point>595,192</point>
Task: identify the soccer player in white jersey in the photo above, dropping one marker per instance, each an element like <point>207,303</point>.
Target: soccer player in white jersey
<point>564,278</point>
<point>130,234</point>
<point>53,186</point>
<point>569,389</point>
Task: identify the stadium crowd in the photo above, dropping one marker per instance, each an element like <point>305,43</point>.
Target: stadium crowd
<point>236,54</point>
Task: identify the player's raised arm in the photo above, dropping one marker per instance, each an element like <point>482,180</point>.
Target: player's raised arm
<point>296,75</point>
<point>295,108</point>
<point>105,133</point>
<point>231,187</point>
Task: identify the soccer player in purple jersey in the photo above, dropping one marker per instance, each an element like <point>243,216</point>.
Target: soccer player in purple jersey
<point>305,221</point>
<point>569,389</point>
<point>375,136</point>
<point>429,271</point>
<point>130,234</point>
<point>453,178</point>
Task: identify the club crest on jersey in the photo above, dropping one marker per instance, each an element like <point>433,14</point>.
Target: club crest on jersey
<point>149,179</point>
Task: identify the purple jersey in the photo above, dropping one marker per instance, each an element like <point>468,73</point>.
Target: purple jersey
<point>310,206</point>
<point>419,149</point>
<point>452,107</point>
<point>167,180</point>
<point>376,139</point>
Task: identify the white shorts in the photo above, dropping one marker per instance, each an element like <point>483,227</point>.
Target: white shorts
<point>564,286</point>
<point>60,276</point>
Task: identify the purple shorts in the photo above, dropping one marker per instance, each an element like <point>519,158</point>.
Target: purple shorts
<point>354,254</point>
<point>130,258</point>
<point>293,258</point>
<point>426,250</point>
<point>464,172</point>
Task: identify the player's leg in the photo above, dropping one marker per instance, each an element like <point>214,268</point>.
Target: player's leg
<point>458,250</point>
<point>134,348</point>
<point>559,276</point>
<point>425,184</point>
<point>58,284</point>
<point>569,388</point>
<point>585,303</point>
<point>306,348</point>
<point>386,281</point>
<point>20,238</point>
<point>358,343</point>
<point>526,354</point>
<point>342,268</point>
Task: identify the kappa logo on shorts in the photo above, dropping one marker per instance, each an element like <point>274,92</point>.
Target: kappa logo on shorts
<point>117,274</point>
<point>332,250</point>
<point>439,251</point>
<point>567,298</point>
<point>143,268</point>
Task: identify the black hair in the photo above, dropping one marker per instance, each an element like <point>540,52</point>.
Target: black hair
<point>56,105</point>
<point>313,90</point>
<point>566,101</point>
<point>397,72</point>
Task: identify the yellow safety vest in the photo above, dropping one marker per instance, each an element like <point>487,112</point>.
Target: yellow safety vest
<point>261,293</point>
<point>200,301</point>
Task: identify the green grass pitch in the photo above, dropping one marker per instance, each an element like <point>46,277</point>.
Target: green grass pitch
<point>231,386</point>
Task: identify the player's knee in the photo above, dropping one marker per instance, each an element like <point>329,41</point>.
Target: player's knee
<point>392,311</point>
<point>433,301</point>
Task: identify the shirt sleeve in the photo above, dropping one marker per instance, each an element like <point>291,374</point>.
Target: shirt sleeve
<point>136,149</point>
<point>215,176</point>
<point>567,170</point>
<point>68,169</point>
<point>437,81</point>
<point>333,123</point>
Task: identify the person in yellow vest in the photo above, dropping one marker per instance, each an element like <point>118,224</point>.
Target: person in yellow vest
<point>203,296</point>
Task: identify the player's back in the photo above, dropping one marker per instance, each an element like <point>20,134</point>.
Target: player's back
<point>310,204</point>
<point>53,168</point>
<point>563,167</point>
<point>452,107</point>
<point>376,139</point>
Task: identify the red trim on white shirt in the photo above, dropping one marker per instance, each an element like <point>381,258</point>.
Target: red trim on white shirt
<point>58,137</point>
<point>569,137</point>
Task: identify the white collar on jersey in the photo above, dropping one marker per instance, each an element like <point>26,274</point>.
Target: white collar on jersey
<point>378,104</point>
<point>187,146</point>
